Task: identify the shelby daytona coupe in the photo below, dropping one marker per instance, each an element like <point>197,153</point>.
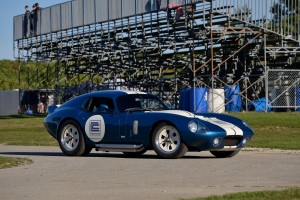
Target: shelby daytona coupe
<point>134,122</point>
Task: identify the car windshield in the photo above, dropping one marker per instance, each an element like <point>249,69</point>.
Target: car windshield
<point>139,102</point>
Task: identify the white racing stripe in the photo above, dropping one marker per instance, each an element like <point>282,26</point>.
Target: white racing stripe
<point>230,128</point>
<point>133,92</point>
<point>176,112</point>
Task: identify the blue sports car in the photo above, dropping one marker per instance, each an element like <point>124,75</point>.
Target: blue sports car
<point>134,122</point>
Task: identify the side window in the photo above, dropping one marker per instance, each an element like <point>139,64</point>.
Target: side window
<point>86,104</point>
<point>101,105</point>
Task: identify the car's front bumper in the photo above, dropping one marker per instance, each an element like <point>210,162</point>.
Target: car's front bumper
<point>217,141</point>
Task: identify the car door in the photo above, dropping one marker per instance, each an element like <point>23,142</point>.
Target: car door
<point>127,126</point>
<point>100,120</point>
<point>135,127</point>
<point>134,121</point>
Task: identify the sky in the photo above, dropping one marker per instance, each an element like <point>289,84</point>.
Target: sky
<point>11,8</point>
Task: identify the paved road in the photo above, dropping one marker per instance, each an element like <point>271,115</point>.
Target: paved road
<point>113,176</point>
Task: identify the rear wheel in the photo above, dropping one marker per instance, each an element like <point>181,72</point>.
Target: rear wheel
<point>166,141</point>
<point>71,139</point>
<point>225,154</point>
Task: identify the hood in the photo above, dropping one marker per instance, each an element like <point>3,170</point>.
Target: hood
<point>175,112</point>
<point>230,128</point>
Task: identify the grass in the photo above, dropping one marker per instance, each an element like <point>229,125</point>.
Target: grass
<point>8,162</point>
<point>24,130</point>
<point>272,130</point>
<point>287,194</point>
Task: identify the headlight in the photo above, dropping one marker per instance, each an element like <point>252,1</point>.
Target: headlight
<point>193,126</point>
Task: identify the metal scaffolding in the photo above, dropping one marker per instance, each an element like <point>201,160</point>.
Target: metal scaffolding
<point>164,46</point>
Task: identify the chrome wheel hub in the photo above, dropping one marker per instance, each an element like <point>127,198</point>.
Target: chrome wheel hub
<point>70,137</point>
<point>168,140</point>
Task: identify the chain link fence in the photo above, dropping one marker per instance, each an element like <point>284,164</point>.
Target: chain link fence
<point>283,90</point>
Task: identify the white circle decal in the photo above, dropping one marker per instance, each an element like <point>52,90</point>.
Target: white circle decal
<point>95,128</point>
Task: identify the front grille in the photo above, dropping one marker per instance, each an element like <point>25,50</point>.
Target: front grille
<point>232,140</point>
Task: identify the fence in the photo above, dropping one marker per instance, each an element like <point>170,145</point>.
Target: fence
<point>283,89</point>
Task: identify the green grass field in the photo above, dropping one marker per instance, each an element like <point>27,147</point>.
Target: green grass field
<point>24,130</point>
<point>272,130</point>
<point>287,194</point>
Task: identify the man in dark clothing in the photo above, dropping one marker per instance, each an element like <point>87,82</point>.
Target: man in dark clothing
<point>37,6</point>
<point>35,15</point>
<point>26,22</point>
<point>32,21</point>
<point>158,4</point>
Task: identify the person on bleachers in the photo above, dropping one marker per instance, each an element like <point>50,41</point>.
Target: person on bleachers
<point>35,17</point>
<point>158,4</point>
<point>37,5</point>
<point>32,21</point>
<point>26,21</point>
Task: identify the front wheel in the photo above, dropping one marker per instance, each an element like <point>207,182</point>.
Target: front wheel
<point>225,154</point>
<point>71,139</point>
<point>167,143</point>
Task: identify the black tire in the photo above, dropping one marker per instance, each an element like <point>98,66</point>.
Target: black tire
<point>87,150</point>
<point>167,143</point>
<point>135,154</point>
<point>71,140</point>
<point>225,154</point>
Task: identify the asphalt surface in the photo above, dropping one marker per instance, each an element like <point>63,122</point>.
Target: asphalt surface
<point>115,176</point>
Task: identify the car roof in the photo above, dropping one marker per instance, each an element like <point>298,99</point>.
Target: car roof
<point>104,93</point>
<point>113,93</point>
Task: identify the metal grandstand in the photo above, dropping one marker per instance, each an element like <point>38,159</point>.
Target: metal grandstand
<point>163,46</point>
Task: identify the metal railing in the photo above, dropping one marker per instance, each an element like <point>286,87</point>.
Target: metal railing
<point>277,16</point>
<point>79,13</point>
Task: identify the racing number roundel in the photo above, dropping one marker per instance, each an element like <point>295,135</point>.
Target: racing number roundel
<point>95,128</point>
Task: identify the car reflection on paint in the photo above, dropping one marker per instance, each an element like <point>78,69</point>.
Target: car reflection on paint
<point>134,122</point>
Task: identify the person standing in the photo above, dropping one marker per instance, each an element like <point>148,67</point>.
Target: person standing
<point>37,6</point>
<point>36,17</point>
<point>32,21</point>
<point>158,4</point>
<point>26,22</point>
